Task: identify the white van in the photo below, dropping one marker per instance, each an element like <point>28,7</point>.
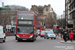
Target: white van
<point>2,34</point>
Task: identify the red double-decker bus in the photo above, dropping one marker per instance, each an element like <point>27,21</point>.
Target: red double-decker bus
<point>26,26</point>
<point>56,27</point>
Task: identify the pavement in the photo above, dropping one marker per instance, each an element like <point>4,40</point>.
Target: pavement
<point>68,42</point>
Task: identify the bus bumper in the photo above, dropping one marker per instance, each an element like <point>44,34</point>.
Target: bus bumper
<point>24,38</point>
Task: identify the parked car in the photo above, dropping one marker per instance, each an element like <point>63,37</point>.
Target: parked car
<point>42,33</point>
<point>2,35</point>
<point>49,34</point>
<point>47,29</point>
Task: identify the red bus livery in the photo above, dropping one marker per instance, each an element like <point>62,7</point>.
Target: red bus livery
<point>56,27</point>
<point>25,26</point>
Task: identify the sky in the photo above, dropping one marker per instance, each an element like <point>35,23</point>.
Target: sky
<point>57,5</point>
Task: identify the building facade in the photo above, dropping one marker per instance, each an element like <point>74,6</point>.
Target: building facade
<point>68,12</point>
<point>46,15</point>
<point>72,11</point>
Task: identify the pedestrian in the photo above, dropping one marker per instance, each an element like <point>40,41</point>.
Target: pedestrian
<point>65,36</point>
<point>71,36</point>
<point>62,33</point>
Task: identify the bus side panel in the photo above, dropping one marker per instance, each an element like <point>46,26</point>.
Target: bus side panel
<point>16,22</point>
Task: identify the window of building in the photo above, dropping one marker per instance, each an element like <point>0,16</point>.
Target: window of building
<point>73,15</point>
<point>72,6</point>
<point>74,3</point>
<point>69,1</point>
<point>46,9</point>
<point>69,8</point>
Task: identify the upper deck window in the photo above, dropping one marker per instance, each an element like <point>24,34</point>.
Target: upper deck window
<point>27,16</point>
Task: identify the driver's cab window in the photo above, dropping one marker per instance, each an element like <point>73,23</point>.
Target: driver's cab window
<point>18,30</point>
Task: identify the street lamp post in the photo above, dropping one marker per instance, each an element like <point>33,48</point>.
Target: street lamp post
<point>61,20</point>
<point>65,13</point>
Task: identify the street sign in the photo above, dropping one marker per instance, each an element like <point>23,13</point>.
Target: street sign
<point>8,26</point>
<point>71,19</point>
<point>4,8</point>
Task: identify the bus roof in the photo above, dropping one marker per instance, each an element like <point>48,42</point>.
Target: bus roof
<point>25,12</point>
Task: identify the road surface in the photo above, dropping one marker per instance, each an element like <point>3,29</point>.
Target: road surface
<point>39,44</point>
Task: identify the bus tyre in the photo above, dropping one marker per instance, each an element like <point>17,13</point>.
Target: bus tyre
<point>18,40</point>
<point>33,40</point>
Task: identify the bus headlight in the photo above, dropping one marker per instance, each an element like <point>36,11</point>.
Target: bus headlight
<point>31,36</point>
<point>18,36</point>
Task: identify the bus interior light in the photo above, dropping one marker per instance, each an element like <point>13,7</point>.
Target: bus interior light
<point>21,17</point>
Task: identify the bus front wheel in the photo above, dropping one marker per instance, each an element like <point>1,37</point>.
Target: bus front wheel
<point>33,39</point>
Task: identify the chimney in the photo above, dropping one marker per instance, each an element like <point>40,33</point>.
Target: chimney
<point>49,5</point>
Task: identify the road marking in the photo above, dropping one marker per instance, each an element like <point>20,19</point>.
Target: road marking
<point>68,42</point>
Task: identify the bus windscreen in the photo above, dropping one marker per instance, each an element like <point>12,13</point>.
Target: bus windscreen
<point>24,30</point>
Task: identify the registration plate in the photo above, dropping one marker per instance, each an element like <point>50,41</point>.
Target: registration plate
<point>24,39</point>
